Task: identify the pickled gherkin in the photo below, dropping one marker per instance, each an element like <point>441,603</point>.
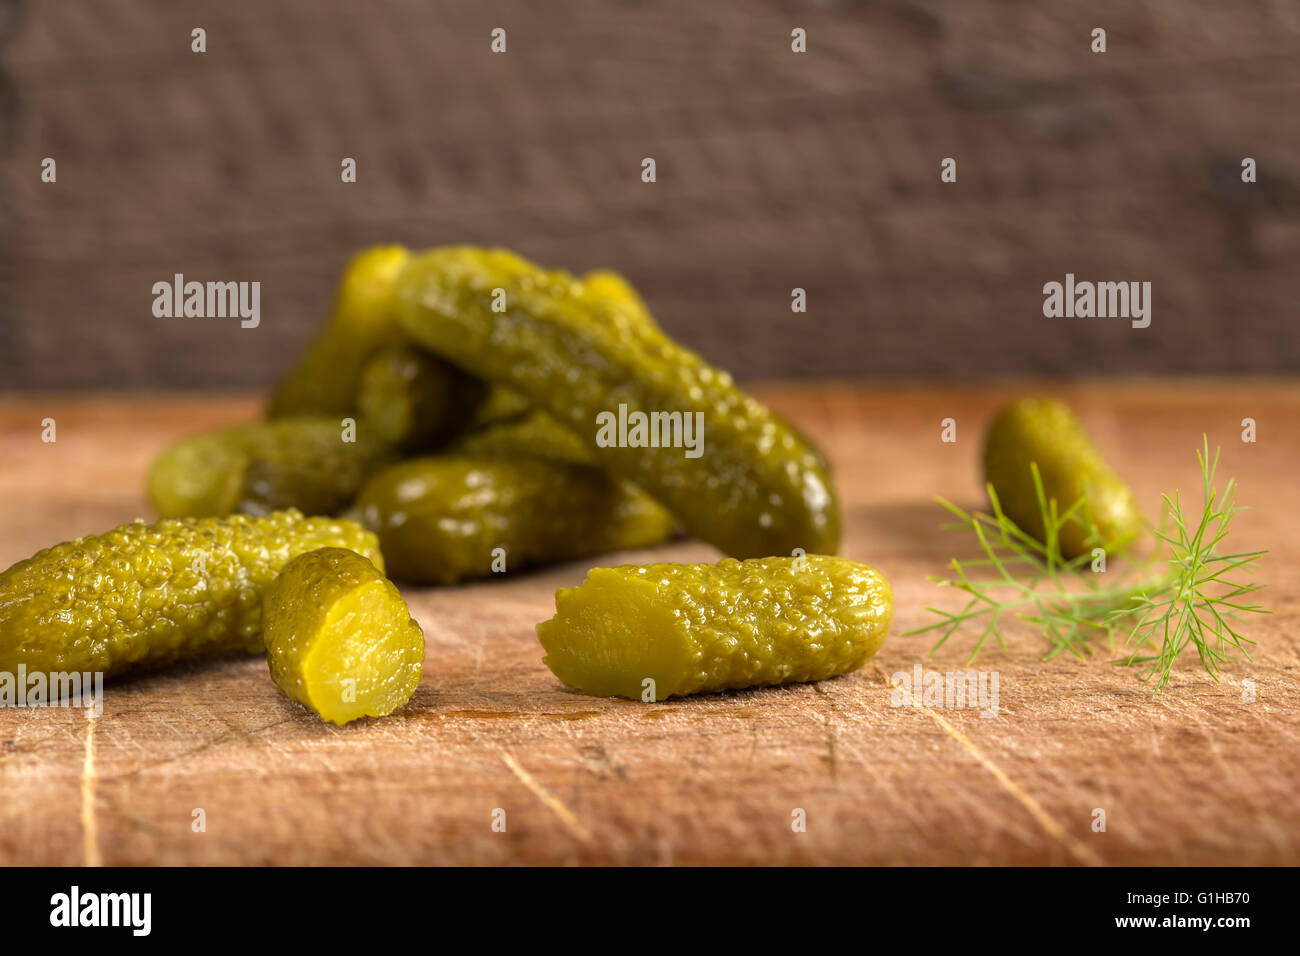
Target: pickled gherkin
<point>442,520</point>
<point>361,364</point>
<point>501,405</point>
<point>339,638</point>
<point>757,489</point>
<point>533,435</point>
<point>152,594</point>
<point>314,464</point>
<point>614,287</point>
<point>324,379</point>
<point>1046,433</point>
<point>413,400</point>
<point>669,630</point>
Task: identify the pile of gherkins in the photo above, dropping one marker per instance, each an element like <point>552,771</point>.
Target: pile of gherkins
<point>443,427</point>
<point>450,406</point>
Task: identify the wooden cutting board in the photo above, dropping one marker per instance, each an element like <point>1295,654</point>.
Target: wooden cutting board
<point>1202,774</point>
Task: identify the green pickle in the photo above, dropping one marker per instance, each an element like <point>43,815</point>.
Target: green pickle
<point>153,594</point>
<point>504,405</point>
<point>442,520</point>
<point>615,288</point>
<point>361,363</point>
<point>261,467</point>
<point>670,630</point>
<point>501,405</point>
<point>324,380</point>
<point>1046,433</point>
<point>339,638</point>
<point>533,435</point>
<point>756,489</point>
<point>415,401</point>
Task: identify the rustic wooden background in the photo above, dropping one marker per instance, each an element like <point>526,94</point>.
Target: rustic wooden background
<point>1204,774</point>
<point>775,170</point>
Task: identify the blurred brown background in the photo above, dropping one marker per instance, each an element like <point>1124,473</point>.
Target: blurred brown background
<point>775,170</point>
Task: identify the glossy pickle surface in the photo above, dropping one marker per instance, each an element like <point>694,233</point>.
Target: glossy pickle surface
<point>312,463</point>
<point>442,520</point>
<point>757,489</point>
<point>1047,433</point>
<point>710,627</point>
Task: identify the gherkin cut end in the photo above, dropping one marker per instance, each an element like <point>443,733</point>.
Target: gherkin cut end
<point>614,637</point>
<point>367,658</point>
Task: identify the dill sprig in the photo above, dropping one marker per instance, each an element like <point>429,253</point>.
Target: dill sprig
<point>1189,597</point>
<point>1203,590</point>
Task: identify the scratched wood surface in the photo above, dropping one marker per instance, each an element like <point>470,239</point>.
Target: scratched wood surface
<point>1197,776</point>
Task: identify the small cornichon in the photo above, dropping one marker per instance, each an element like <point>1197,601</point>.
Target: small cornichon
<point>314,464</point>
<point>415,401</point>
<point>404,392</point>
<point>757,489</point>
<point>613,290</point>
<point>442,520</point>
<point>501,405</point>
<point>151,594</point>
<point>339,637</point>
<point>614,287</point>
<point>1045,433</point>
<point>532,435</point>
<point>669,630</point>
<point>617,292</point>
<point>324,380</point>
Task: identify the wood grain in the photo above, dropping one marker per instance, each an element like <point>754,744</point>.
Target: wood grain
<point>1199,775</point>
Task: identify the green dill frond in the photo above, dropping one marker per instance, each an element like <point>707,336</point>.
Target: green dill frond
<point>1200,601</point>
<point>1186,592</point>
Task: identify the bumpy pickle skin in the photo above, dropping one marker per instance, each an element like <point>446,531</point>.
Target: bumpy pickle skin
<point>503,405</point>
<point>147,595</point>
<point>412,398</point>
<point>324,380</point>
<point>616,290</point>
<point>339,638</point>
<point>415,401</point>
<point>699,628</point>
<point>1045,432</point>
<point>304,463</point>
<point>757,488</point>
<point>441,520</point>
